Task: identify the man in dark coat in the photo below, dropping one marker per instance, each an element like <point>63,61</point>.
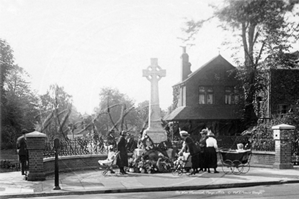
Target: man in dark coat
<point>22,151</point>
<point>122,160</point>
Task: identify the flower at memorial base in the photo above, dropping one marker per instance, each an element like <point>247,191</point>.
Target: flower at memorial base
<point>142,170</point>
<point>131,170</point>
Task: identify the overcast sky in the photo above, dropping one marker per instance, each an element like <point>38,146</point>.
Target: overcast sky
<point>85,45</point>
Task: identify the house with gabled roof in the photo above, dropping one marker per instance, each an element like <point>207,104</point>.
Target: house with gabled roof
<point>207,98</point>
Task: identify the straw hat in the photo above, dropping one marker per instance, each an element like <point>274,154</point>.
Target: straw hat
<point>203,132</point>
<point>183,133</point>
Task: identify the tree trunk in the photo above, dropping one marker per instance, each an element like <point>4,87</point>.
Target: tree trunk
<point>250,117</point>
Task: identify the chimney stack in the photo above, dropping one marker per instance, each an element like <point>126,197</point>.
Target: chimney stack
<point>185,65</point>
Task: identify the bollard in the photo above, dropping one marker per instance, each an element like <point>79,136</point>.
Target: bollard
<point>56,176</point>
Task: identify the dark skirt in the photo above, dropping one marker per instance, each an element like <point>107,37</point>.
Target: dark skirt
<point>202,160</point>
<point>195,160</point>
<point>211,157</point>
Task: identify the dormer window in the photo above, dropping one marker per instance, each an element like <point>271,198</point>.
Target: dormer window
<point>206,95</point>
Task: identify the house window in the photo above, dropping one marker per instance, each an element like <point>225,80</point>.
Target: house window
<point>236,95</point>
<point>206,95</point>
<point>231,95</point>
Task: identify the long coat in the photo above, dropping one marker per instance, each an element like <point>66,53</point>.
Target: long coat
<point>193,151</point>
<point>22,149</point>
<point>202,143</point>
<point>122,160</point>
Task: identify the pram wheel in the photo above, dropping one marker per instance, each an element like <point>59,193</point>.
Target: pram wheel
<point>237,167</point>
<point>243,168</point>
<point>227,167</point>
<point>178,170</point>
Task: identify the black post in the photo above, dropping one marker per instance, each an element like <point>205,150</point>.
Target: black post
<point>56,177</point>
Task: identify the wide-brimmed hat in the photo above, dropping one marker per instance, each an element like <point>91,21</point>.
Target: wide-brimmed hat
<point>210,134</point>
<point>183,133</point>
<point>204,132</point>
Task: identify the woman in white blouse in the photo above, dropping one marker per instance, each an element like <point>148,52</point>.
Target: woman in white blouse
<point>211,152</point>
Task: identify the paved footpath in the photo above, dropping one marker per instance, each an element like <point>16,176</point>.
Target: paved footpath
<point>12,184</point>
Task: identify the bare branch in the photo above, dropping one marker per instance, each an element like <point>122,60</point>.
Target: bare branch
<point>260,53</point>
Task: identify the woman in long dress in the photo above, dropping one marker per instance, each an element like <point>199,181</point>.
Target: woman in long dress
<point>189,143</point>
<point>211,152</point>
<point>202,144</point>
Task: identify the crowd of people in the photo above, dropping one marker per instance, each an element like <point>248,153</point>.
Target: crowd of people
<point>203,152</point>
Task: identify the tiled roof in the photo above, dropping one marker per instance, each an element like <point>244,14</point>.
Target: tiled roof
<point>205,112</point>
<point>218,57</point>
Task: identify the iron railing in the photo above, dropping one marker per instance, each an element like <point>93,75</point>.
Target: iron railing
<point>83,147</point>
<point>74,147</point>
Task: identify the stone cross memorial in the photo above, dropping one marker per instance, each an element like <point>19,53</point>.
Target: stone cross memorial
<point>155,130</point>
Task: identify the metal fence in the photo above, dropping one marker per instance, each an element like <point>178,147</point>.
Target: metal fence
<point>74,147</point>
<point>83,147</point>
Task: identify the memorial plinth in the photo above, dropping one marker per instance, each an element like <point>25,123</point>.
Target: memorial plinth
<point>155,130</point>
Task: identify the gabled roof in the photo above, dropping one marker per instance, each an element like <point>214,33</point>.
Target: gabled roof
<point>218,57</point>
<point>206,112</point>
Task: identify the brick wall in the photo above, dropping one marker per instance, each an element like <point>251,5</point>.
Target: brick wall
<point>90,162</point>
<point>72,163</point>
<point>258,159</point>
<point>265,158</point>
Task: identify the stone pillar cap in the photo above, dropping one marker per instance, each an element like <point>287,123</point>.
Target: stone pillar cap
<point>35,134</point>
<point>283,126</point>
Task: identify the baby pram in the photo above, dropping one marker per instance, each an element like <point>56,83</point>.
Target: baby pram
<point>183,164</point>
<point>235,161</point>
<point>107,164</point>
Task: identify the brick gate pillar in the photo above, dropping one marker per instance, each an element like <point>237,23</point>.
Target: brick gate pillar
<point>36,145</point>
<point>282,135</point>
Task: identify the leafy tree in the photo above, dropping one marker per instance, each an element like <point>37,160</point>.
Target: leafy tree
<point>18,102</point>
<point>113,108</point>
<point>22,103</point>
<point>56,97</point>
<point>260,28</point>
<point>55,111</point>
<point>6,63</point>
